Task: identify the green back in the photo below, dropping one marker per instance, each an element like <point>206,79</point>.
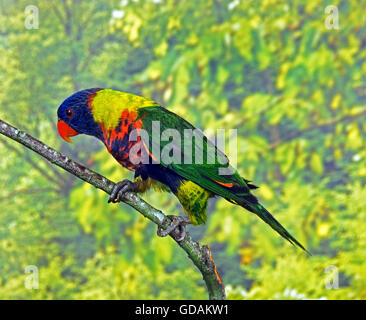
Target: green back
<point>206,174</point>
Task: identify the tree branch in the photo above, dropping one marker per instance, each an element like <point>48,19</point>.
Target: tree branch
<point>328,123</point>
<point>200,255</point>
<point>24,155</point>
<point>27,192</point>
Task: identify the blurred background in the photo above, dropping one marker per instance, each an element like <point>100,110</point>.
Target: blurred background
<point>280,72</point>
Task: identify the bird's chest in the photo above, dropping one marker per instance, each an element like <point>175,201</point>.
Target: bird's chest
<point>121,141</point>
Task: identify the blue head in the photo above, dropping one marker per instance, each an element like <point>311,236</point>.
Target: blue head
<point>75,117</point>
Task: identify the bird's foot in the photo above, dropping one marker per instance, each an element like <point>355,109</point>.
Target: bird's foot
<point>177,228</point>
<point>120,188</point>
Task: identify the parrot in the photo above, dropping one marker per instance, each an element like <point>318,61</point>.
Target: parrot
<point>117,118</point>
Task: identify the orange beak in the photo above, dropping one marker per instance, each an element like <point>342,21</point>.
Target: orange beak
<point>65,131</point>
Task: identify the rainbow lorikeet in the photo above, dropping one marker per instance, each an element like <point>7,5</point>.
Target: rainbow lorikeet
<point>112,116</point>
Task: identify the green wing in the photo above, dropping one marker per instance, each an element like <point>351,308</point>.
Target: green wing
<point>207,162</point>
<point>230,186</point>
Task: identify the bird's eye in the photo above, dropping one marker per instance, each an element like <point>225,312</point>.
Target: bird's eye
<point>69,113</point>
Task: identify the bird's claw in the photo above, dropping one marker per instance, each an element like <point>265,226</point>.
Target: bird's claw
<point>177,228</point>
<point>120,188</point>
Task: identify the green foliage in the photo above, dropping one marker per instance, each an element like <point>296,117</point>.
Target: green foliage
<point>271,69</point>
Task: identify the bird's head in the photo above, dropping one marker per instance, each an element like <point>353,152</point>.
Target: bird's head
<point>75,116</point>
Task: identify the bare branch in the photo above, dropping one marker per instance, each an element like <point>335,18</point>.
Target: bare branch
<point>26,156</point>
<point>27,192</point>
<point>328,123</point>
<point>200,255</point>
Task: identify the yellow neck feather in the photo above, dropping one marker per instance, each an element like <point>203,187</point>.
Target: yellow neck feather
<point>107,106</point>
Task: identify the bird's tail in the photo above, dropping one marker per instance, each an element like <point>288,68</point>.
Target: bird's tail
<point>262,213</point>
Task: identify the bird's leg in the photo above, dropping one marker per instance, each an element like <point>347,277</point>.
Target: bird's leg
<point>177,228</point>
<point>120,188</point>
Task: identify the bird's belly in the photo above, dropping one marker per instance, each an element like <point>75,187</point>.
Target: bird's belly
<point>192,197</point>
<point>194,201</point>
